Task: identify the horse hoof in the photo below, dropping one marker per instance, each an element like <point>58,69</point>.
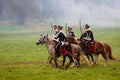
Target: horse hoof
<point>65,67</point>
<point>90,65</point>
<point>72,65</point>
<point>55,66</point>
<point>46,63</point>
<point>78,67</point>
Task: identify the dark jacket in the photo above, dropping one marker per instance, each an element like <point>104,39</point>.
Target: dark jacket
<point>88,36</point>
<point>61,37</point>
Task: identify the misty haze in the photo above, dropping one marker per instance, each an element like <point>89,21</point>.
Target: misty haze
<point>59,40</point>
<point>93,12</point>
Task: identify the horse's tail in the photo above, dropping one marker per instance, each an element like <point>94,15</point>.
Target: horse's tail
<point>109,51</point>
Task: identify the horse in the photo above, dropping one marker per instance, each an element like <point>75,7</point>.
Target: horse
<point>76,51</point>
<point>105,51</point>
<point>76,41</point>
<point>99,48</point>
<point>50,44</point>
<point>50,47</point>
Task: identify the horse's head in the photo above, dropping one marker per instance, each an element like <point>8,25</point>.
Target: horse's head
<point>42,39</point>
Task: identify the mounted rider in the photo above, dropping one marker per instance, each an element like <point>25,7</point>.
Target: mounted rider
<point>87,38</point>
<point>60,38</point>
<point>55,30</point>
<point>70,32</point>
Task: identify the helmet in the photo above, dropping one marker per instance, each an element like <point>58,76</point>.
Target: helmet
<point>87,26</point>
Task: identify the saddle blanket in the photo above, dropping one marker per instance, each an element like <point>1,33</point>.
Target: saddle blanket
<point>92,48</point>
<point>63,51</point>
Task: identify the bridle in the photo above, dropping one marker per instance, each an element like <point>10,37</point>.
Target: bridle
<point>45,39</point>
<point>42,40</point>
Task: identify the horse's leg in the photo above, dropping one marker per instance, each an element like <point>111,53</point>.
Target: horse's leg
<point>74,62</point>
<point>87,56</point>
<point>104,54</point>
<point>55,60</point>
<point>76,59</point>
<point>50,61</point>
<point>64,58</point>
<point>74,56</point>
<point>71,60</point>
<point>86,59</point>
<point>96,58</point>
<point>91,56</point>
<point>105,58</point>
<point>78,62</point>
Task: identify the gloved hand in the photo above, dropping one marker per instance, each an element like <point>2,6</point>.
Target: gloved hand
<point>62,43</point>
<point>92,42</point>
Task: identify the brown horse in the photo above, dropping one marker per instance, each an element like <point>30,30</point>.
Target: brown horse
<point>99,48</point>
<point>50,44</point>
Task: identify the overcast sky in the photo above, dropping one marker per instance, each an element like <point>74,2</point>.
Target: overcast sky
<point>93,12</point>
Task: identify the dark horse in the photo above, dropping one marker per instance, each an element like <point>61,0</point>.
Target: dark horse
<point>51,45</point>
<point>98,48</point>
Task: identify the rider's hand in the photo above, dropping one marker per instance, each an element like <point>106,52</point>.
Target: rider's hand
<point>62,43</point>
<point>92,42</point>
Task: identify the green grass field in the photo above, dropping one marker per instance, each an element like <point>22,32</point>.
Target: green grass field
<point>22,59</point>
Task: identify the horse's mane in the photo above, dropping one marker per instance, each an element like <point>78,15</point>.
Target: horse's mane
<point>71,39</point>
<point>50,39</point>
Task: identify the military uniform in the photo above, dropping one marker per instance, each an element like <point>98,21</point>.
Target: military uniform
<point>70,32</point>
<point>86,38</point>
<point>55,31</point>
<point>60,37</point>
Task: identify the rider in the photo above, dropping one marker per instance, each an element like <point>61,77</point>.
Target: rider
<point>61,39</point>
<point>70,32</point>
<point>55,30</point>
<point>87,38</point>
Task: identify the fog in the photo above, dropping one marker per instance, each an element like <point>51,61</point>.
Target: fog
<point>93,12</point>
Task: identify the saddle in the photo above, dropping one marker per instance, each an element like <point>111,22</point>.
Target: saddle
<point>64,49</point>
<point>92,48</point>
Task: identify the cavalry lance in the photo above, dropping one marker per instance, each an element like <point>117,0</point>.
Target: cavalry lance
<point>52,27</point>
<point>80,26</point>
<point>66,28</point>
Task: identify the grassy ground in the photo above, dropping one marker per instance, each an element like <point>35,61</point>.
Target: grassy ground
<point>21,59</point>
